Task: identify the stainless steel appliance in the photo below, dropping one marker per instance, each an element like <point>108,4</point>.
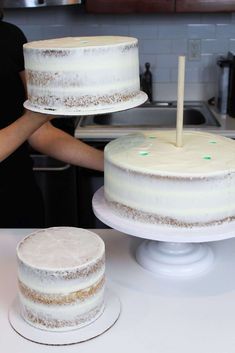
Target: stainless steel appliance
<point>36,3</point>
<point>223,84</point>
<point>231,88</point>
<point>58,183</point>
<point>226,85</point>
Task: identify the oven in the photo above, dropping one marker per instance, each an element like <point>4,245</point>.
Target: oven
<point>58,183</point>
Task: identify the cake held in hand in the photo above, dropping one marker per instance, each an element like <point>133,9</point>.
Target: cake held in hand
<point>149,179</point>
<point>81,75</point>
<point>61,278</point>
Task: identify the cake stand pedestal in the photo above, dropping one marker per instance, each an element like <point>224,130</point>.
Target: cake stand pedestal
<point>167,250</point>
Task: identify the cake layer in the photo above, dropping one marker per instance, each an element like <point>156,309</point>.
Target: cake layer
<point>61,275</point>
<point>82,72</point>
<point>150,179</point>
<point>61,320</point>
<point>62,312</point>
<point>60,298</point>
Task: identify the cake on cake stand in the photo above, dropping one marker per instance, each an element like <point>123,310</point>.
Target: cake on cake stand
<point>166,250</point>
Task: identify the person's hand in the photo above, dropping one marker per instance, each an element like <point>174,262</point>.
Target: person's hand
<point>40,116</point>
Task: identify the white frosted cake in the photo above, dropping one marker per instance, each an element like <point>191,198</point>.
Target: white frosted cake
<point>149,179</point>
<point>61,278</point>
<point>83,75</point>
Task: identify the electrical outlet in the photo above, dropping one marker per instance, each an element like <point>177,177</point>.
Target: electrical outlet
<point>194,49</point>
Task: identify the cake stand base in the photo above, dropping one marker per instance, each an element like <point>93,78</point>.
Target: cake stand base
<point>174,259</point>
<point>99,326</point>
<point>172,251</point>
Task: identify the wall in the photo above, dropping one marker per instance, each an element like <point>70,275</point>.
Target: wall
<point>161,37</point>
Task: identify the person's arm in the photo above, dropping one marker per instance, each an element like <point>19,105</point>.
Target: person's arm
<point>58,144</point>
<point>12,136</point>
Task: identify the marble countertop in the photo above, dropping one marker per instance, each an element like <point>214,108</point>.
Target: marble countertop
<point>157,315</point>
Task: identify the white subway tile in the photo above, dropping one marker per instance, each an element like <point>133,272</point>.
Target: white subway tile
<point>151,46</point>
<point>167,61</point>
<point>215,45</point>
<point>225,31</point>
<point>144,31</point>
<point>179,46</point>
<point>201,31</point>
<point>172,31</point>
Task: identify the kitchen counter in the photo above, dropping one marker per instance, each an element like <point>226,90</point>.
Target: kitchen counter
<point>226,128</point>
<point>158,314</point>
<point>227,124</point>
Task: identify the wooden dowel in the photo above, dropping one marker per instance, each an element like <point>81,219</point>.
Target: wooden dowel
<point>180,102</point>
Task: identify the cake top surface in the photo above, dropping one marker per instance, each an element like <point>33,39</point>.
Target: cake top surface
<point>60,248</point>
<point>80,42</point>
<point>155,152</point>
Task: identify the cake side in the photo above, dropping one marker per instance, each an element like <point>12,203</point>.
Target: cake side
<point>145,181</point>
<point>61,295</point>
<point>82,72</point>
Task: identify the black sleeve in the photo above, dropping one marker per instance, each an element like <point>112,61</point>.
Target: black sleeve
<point>12,41</point>
<point>18,50</point>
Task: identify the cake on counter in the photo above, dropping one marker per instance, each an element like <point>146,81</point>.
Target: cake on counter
<point>83,74</point>
<point>61,276</point>
<point>149,179</point>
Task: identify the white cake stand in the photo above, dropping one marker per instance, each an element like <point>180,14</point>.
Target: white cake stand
<point>169,251</point>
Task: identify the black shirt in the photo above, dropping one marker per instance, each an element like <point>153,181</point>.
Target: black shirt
<point>18,190</point>
<point>12,98</point>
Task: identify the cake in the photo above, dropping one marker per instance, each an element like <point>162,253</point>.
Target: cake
<point>149,179</point>
<point>61,278</point>
<point>83,75</point>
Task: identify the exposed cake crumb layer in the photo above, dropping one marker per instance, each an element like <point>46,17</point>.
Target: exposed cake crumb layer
<point>58,298</point>
<point>150,218</point>
<point>41,320</point>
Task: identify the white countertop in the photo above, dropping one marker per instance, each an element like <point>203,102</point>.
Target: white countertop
<point>158,315</point>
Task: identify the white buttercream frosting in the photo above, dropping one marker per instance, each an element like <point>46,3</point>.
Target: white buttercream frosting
<point>149,179</point>
<point>155,152</point>
<point>60,248</point>
<point>80,42</point>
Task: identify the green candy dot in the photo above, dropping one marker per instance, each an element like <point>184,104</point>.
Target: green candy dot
<point>143,153</point>
<point>207,157</point>
<point>212,142</point>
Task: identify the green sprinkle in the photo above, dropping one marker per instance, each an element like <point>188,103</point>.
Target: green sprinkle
<point>212,142</point>
<point>152,137</point>
<point>207,157</point>
<point>143,153</point>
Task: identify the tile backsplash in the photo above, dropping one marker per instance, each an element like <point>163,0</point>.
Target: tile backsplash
<point>162,38</point>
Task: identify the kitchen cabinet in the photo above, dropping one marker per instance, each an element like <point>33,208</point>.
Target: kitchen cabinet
<point>155,6</point>
<point>129,6</point>
<point>205,5</point>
